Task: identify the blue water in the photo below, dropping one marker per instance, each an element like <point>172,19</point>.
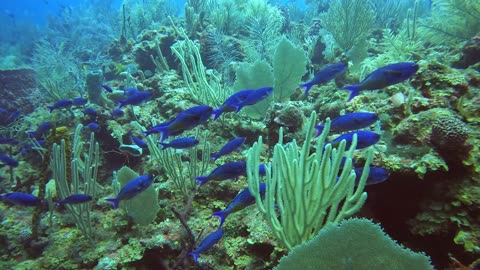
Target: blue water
<point>37,11</point>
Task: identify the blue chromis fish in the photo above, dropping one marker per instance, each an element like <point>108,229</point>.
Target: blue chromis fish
<point>8,118</point>
<point>61,104</point>
<point>117,113</point>
<point>383,77</point>
<point>262,171</point>
<point>349,121</point>
<point>79,101</point>
<point>255,97</point>
<point>232,102</point>
<point>185,120</point>
<point>20,198</point>
<point>207,244</point>
<point>9,161</point>
<point>364,139</point>
<point>74,199</point>
<point>135,99</point>
<point>42,130</point>
<point>229,170</point>
<point>132,189</point>
<point>90,112</point>
<point>241,201</point>
<point>6,140</point>
<point>376,175</point>
<point>325,75</point>
<point>107,88</point>
<point>229,147</point>
<point>180,143</point>
<point>130,91</point>
<point>139,142</point>
<point>92,127</point>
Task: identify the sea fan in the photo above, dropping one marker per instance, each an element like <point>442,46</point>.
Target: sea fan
<point>222,51</point>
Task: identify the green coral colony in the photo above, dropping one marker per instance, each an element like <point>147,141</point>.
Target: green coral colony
<point>240,134</point>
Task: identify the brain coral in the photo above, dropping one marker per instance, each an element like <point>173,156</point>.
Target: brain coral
<point>449,134</point>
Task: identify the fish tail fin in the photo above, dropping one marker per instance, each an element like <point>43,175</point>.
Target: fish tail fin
<point>222,215</point>
<point>307,87</point>
<point>31,134</point>
<point>164,145</point>
<point>51,108</point>
<point>214,157</point>
<point>202,180</point>
<point>319,129</point>
<point>194,255</point>
<point>114,202</point>
<point>354,90</point>
<point>164,135</point>
<point>121,103</point>
<point>216,113</point>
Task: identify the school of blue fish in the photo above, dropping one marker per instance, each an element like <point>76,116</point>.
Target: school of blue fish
<point>347,125</point>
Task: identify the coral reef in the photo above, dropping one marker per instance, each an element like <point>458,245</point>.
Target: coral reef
<point>199,54</point>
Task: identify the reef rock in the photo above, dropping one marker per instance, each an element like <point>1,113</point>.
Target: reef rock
<point>16,87</point>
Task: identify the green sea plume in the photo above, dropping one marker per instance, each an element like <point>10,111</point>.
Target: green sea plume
<point>306,186</point>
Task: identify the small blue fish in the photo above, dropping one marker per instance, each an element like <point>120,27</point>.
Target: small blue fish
<point>229,170</point>
<point>350,121</point>
<point>28,147</point>
<point>20,198</point>
<point>364,139</point>
<point>241,201</point>
<point>375,175</point>
<point>230,105</point>
<point>207,244</point>
<point>79,101</point>
<point>107,88</point>
<point>90,112</point>
<point>74,199</point>
<point>10,141</point>
<point>12,117</point>
<point>42,130</point>
<point>9,161</point>
<point>262,171</point>
<point>325,75</point>
<point>255,97</point>
<point>229,147</point>
<point>6,118</point>
<point>61,104</point>
<point>181,143</point>
<point>130,91</point>
<point>117,113</point>
<point>135,99</point>
<point>139,142</point>
<point>92,127</point>
<point>132,189</point>
<point>185,120</point>
<point>383,77</point>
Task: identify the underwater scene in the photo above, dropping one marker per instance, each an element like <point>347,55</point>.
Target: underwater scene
<point>240,134</point>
